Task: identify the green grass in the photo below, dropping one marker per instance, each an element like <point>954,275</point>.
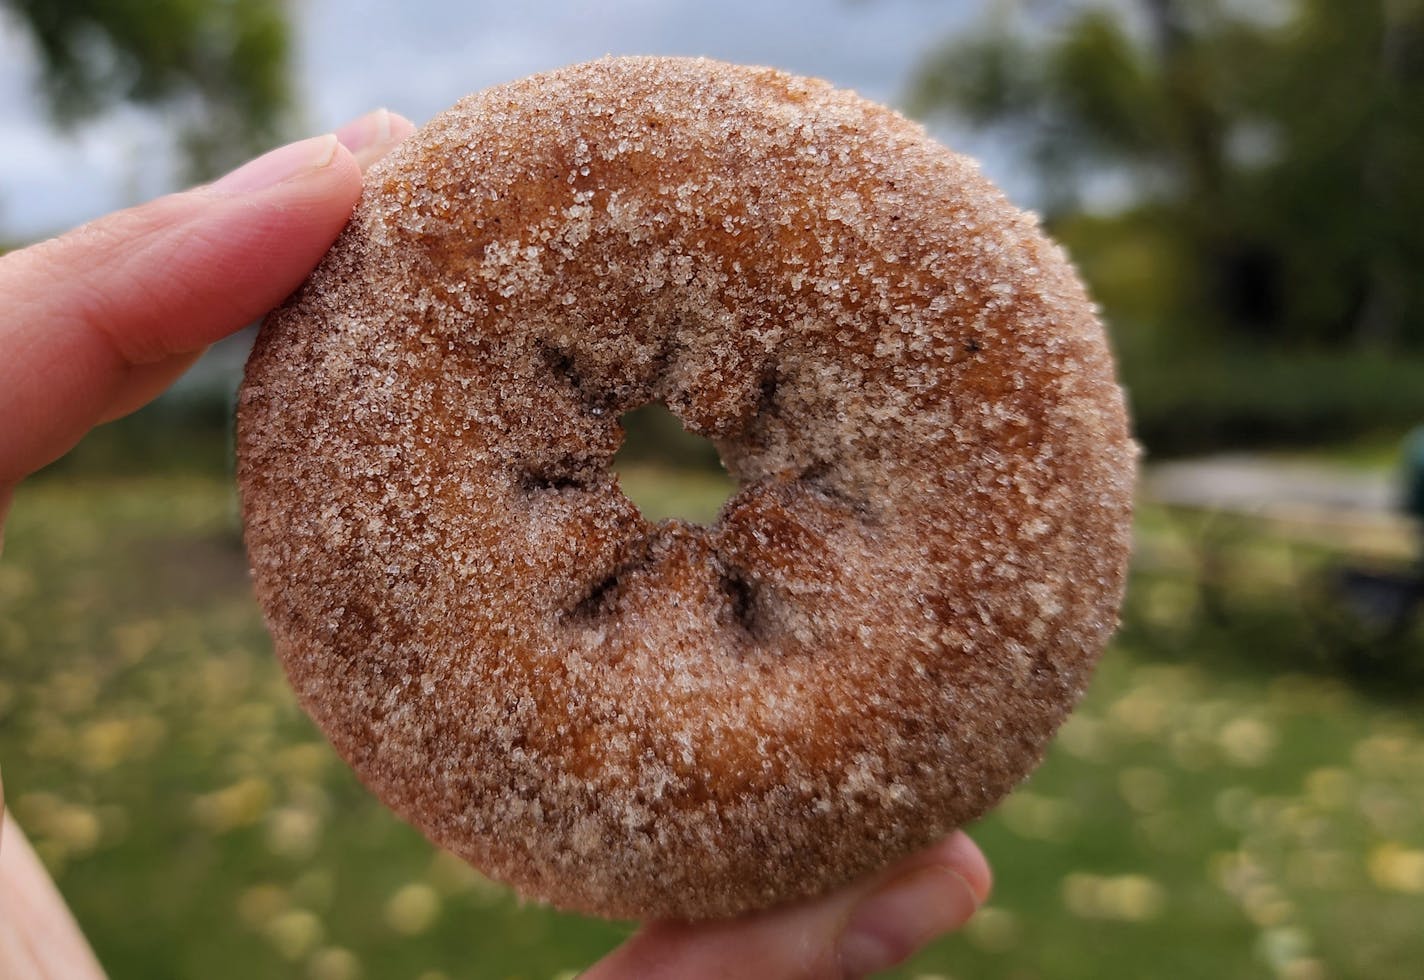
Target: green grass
<point>1216,817</point>
<point>693,495</point>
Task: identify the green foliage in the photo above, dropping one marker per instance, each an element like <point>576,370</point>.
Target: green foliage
<point>219,68</point>
<point>1281,158</point>
<point>1244,397</point>
<point>1193,390</point>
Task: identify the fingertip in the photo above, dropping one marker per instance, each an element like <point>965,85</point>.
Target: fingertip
<point>401,127</point>
<point>958,853</point>
<point>964,857</point>
<point>924,896</point>
<point>338,183</point>
<point>284,164</point>
<point>902,916</point>
<point>280,235</point>
<point>318,175</point>
<point>371,136</point>
<point>344,177</point>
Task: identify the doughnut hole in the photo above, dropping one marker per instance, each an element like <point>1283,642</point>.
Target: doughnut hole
<point>668,471</point>
<point>768,570</point>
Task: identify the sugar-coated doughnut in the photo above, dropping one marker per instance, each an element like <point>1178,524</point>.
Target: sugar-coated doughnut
<point>878,635</point>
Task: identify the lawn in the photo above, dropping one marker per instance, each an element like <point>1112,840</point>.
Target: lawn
<point>1215,816</point>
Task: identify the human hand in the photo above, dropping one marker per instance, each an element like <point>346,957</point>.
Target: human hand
<point>103,319</point>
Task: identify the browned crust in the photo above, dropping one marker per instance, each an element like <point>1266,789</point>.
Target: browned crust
<point>876,639</point>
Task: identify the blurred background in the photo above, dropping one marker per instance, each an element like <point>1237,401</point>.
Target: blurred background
<point>1241,183</point>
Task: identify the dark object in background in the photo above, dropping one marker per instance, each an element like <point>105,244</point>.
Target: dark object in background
<point>1386,600</point>
<point>1413,498</point>
<point>1389,600</point>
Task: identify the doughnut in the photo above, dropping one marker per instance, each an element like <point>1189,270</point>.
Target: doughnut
<point>878,635</point>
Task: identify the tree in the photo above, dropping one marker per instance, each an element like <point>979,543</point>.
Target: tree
<point>1279,157</point>
<point>219,68</point>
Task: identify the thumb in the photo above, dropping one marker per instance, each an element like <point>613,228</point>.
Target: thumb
<point>868,926</point>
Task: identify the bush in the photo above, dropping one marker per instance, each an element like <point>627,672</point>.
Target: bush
<point>1258,398</point>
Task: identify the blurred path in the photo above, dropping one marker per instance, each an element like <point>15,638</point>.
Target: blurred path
<point>1256,483</point>
<point>1332,503</point>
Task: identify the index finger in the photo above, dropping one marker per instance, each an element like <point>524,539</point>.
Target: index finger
<point>87,309</point>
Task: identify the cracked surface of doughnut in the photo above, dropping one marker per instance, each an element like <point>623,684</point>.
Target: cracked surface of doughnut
<point>877,637</point>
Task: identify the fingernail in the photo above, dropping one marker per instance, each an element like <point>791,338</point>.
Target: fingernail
<point>372,129</point>
<point>280,165</point>
<point>902,916</point>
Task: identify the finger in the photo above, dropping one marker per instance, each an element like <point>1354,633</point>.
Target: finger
<point>936,893</point>
<point>38,934</point>
<point>868,926</point>
<point>369,138</point>
<point>373,135</point>
<point>87,310</point>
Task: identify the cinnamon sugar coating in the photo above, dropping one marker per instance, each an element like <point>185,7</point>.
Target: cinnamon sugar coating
<point>877,637</point>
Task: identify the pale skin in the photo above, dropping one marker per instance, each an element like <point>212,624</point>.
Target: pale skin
<point>101,320</point>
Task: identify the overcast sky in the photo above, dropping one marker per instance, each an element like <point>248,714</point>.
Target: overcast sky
<point>418,57</point>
